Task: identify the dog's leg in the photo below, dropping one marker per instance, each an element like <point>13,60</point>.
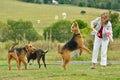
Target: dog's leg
<point>9,58</point>
<point>38,61</point>
<point>66,58</point>
<point>28,62</point>
<point>14,55</point>
<point>24,62</point>
<point>43,59</point>
<point>19,62</point>
<point>85,48</point>
<point>80,51</point>
<point>33,64</point>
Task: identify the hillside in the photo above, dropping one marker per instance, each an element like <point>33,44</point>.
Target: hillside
<point>13,9</point>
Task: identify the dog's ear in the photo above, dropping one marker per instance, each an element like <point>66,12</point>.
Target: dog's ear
<point>27,42</point>
<point>46,51</point>
<point>75,24</point>
<point>16,43</point>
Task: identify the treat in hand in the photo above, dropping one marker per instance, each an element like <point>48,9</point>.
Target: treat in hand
<point>109,35</point>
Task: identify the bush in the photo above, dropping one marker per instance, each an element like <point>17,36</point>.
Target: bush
<point>59,31</point>
<point>8,44</point>
<point>4,30</point>
<point>21,30</point>
<point>83,12</point>
<point>114,18</point>
<point>116,31</point>
<point>81,24</point>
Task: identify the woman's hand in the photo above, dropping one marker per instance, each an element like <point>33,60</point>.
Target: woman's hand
<point>108,32</point>
<point>92,27</point>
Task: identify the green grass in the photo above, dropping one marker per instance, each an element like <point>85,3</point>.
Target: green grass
<point>55,72</point>
<point>12,9</point>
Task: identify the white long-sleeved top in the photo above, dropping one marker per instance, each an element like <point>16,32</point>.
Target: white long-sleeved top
<point>98,24</point>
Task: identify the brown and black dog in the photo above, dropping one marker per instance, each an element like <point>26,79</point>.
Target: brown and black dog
<point>37,54</point>
<point>75,43</point>
<point>19,54</point>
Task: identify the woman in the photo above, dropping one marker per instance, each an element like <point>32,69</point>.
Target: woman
<point>101,29</point>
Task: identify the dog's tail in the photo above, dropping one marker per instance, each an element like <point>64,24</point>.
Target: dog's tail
<point>46,51</point>
<point>58,49</point>
<point>13,45</point>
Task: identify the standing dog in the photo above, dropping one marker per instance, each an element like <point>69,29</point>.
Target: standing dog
<point>37,54</point>
<point>18,54</point>
<point>75,43</point>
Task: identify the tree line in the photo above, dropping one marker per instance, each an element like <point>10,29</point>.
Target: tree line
<point>103,4</point>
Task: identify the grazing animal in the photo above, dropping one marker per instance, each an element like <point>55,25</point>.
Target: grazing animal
<point>75,43</point>
<point>18,54</point>
<point>37,54</point>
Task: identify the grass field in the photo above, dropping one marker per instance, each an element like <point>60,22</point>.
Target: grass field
<point>55,72</point>
<point>15,10</point>
<point>76,70</point>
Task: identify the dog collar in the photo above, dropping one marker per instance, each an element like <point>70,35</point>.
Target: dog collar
<point>77,34</point>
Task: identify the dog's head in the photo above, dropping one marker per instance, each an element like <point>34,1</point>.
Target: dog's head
<point>75,28</point>
<point>29,48</point>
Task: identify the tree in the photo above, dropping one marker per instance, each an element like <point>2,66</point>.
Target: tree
<point>47,1</point>
<point>114,18</point>
<point>22,30</point>
<point>91,3</point>
<point>4,31</point>
<point>115,5</point>
<point>64,1</point>
<point>59,31</point>
<point>82,4</point>
<point>108,5</point>
<point>33,1</point>
<point>74,2</point>
<point>116,31</point>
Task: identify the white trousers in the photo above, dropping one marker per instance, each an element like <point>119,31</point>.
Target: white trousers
<point>99,42</point>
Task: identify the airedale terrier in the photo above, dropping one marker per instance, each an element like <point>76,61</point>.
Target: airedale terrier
<point>37,54</point>
<point>18,54</point>
<point>75,43</point>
